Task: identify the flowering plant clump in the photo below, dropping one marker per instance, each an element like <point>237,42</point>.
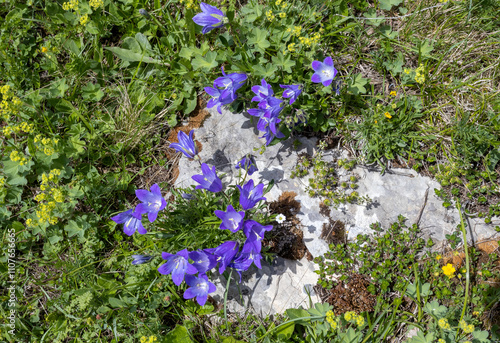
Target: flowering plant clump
<point>193,266</point>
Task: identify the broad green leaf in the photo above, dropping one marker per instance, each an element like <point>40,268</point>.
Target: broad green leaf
<point>130,56</point>
<point>283,61</point>
<point>420,338</point>
<point>92,92</point>
<point>206,62</point>
<point>481,336</point>
<point>178,335</point>
<point>73,228</point>
<point>58,88</point>
<point>425,48</point>
<point>356,84</point>
<point>387,4</point>
<point>492,159</point>
<point>435,309</point>
<point>143,41</point>
<point>258,39</point>
<point>286,330</point>
<point>373,18</point>
<point>295,313</point>
<point>266,71</point>
<point>115,302</point>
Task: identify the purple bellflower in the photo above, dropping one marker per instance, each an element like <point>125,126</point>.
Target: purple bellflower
<point>262,92</point>
<point>186,144</point>
<point>247,163</point>
<point>210,18</point>
<point>132,221</point>
<point>271,105</point>
<point>178,265</point>
<point>199,287</point>
<point>231,82</point>
<point>256,112</point>
<point>219,97</point>
<point>250,195</point>
<point>152,202</point>
<point>254,233</point>
<point>324,72</point>
<point>268,121</point>
<point>231,219</point>
<point>202,261</point>
<point>243,261</point>
<point>225,254</point>
<point>140,259</point>
<point>269,135</point>
<point>292,92</point>
<point>208,180</point>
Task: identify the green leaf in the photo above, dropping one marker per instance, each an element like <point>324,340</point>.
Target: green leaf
<point>425,48</point>
<point>231,340</point>
<point>435,309</point>
<point>356,84</point>
<point>92,92</point>
<point>206,62</point>
<point>492,159</point>
<point>374,19</point>
<point>387,4</point>
<point>283,61</point>
<point>130,56</point>
<point>258,39</point>
<point>481,336</point>
<point>58,88</point>
<point>178,335</point>
<point>420,338</point>
<point>350,336</point>
<point>115,302</point>
<point>295,313</point>
<point>266,71</point>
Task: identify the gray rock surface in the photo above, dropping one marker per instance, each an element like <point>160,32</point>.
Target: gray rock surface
<point>228,137</point>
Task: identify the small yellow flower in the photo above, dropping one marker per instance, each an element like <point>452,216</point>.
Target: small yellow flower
<point>456,253</point>
<point>44,49</point>
<point>393,93</point>
<point>438,257</point>
<point>278,2</point>
<point>394,106</point>
<point>282,15</point>
<point>143,339</point>
<point>84,19</point>
<point>441,340</point>
<point>449,270</point>
<point>407,71</point>
<point>443,323</point>
<point>291,47</point>
<point>387,115</point>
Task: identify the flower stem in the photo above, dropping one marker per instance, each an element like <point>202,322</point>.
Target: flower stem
<point>467,262</point>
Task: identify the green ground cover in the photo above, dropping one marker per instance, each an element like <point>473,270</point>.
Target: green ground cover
<point>91,89</point>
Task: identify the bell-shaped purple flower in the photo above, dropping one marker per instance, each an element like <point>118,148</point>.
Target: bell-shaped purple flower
<point>231,82</point>
<point>199,287</point>
<point>247,163</point>
<point>250,195</point>
<point>210,18</point>
<point>292,92</point>
<point>208,180</point>
<point>186,144</point>
<point>225,254</point>
<point>268,121</point>
<point>272,106</point>
<point>269,135</point>
<point>152,202</point>
<point>262,92</point>
<point>140,259</point>
<point>232,220</point>
<point>324,72</point>
<point>254,232</point>
<point>243,261</point>
<point>132,221</point>
<point>219,97</point>
<point>256,112</point>
<point>202,260</point>
<point>178,265</point>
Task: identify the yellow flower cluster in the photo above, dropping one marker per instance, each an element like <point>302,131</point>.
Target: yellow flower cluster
<point>47,199</point>
<point>70,5</point>
<point>291,47</point>
<point>23,127</point>
<point>44,49</point>
<point>441,340</point>
<point>151,339</point>
<point>295,31</point>
<point>352,316</point>
<point>16,156</point>
<point>310,40</point>
<point>282,15</point>
<point>449,270</point>
<point>443,324</point>
<point>84,19</point>
<point>189,4</point>
<point>407,71</point>
<point>2,182</point>
<point>393,93</point>
<point>467,328</point>
<point>330,318</point>
<point>270,16</point>
<point>6,106</point>
<point>419,74</point>
<point>47,144</point>
<point>96,3</point>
